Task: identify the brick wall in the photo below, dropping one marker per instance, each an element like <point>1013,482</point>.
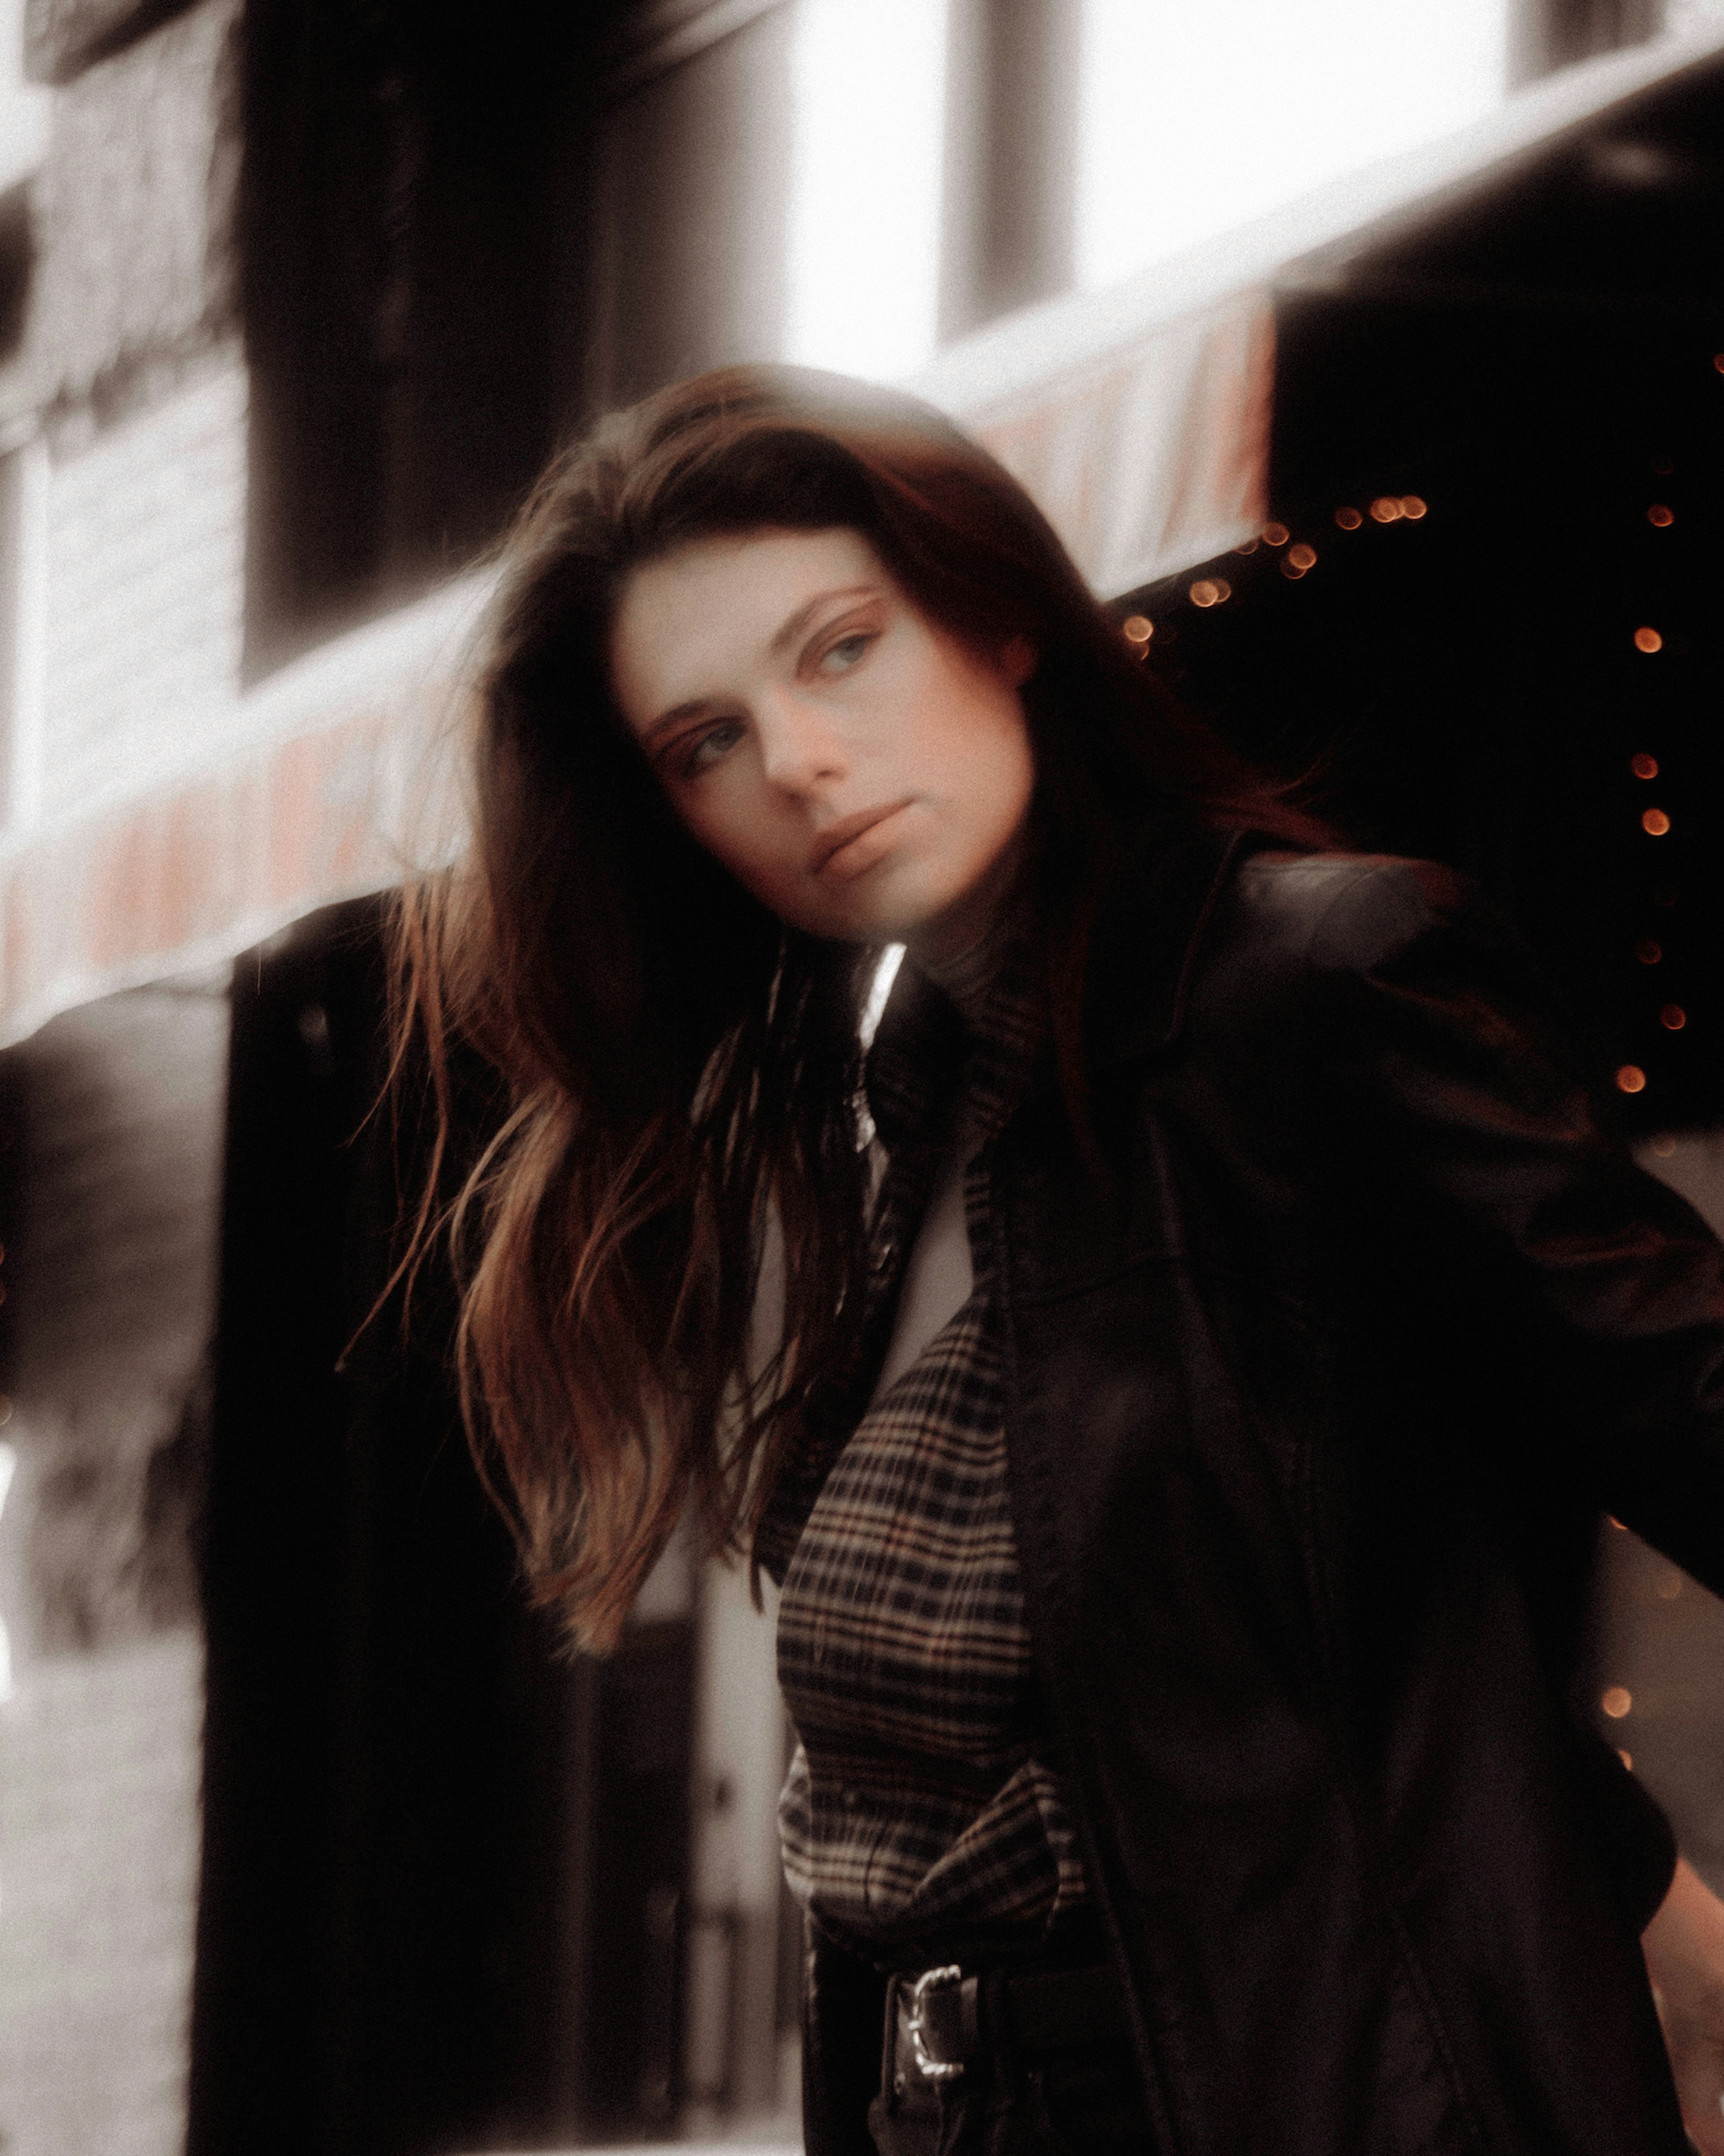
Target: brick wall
<point>112,1115</point>
<point>98,1885</point>
<point>131,360</point>
<point>146,565</point>
<point>135,212</point>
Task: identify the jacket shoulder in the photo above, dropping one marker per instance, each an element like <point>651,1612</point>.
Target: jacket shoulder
<point>1344,913</point>
<point>1340,941</point>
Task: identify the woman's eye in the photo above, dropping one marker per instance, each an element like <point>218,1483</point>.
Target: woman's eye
<point>838,658</point>
<point>700,755</point>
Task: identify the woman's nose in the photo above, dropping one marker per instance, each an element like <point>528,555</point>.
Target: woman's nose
<point>800,748</point>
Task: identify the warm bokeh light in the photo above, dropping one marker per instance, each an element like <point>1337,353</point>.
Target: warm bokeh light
<point>1139,628</point>
<point>1654,823</point>
<point>1276,534</point>
<point>1626,1758</point>
<point>1413,506</point>
<point>1718,361</point>
<point>1246,546</point>
<point>1669,1585</point>
<point>1644,765</point>
<point>1291,568</point>
<point>1617,1701</point>
<point>1665,1146</point>
<point>1631,1079</point>
<point>1386,508</point>
<point>1660,515</point>
<point>1673,1018</point>
<point>1648,952</point>
<point>1210,591</point>
<point>1349,520</point>
<point>1648,639</point>
<point>1302,557</point>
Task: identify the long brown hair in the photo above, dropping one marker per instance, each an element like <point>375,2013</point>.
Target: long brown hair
<point>675,1065</point>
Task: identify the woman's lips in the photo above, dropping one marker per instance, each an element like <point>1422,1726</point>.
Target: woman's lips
<point>853,845</point>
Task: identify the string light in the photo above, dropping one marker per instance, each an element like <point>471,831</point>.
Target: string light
<point>1617,1701</point>
<point>1296,562</point>
<point>1655,823</point>
<point>1137,627</point>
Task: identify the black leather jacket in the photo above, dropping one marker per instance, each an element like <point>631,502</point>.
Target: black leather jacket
<point>1312,1411</point>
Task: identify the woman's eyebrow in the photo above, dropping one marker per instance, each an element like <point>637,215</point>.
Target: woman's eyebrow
<point>794,628</point>
<point>697,706</point>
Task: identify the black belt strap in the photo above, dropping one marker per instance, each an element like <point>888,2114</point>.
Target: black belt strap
<point>1044,2011</point>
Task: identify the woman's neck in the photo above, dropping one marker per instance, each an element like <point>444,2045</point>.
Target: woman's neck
<point>965,966</point>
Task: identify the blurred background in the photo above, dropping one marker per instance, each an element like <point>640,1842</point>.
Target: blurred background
<point>1370,355</point>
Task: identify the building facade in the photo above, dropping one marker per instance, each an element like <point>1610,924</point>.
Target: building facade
<point>295,297</point>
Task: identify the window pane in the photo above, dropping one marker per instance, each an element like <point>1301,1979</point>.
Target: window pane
<point>1195,117</point>
<point>867,122</point>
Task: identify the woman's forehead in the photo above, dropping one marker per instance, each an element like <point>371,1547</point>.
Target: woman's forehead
<point>688,620</point>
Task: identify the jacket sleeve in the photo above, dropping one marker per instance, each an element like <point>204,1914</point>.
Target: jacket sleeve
<point>1438,1045</point>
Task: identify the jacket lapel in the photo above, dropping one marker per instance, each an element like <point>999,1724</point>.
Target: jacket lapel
<point>1149,925</point>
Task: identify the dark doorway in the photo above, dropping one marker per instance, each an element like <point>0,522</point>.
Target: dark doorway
<point>444,1863</point>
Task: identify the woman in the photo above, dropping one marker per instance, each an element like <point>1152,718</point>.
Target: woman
<point>1182,1470</point>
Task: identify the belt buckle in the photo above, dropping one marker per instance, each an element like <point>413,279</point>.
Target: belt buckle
<point>931,1980</point>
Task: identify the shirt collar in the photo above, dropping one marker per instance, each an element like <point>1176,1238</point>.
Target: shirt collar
<point>927,1057</point>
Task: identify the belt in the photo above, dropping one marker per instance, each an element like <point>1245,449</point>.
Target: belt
<point>934,2022</point>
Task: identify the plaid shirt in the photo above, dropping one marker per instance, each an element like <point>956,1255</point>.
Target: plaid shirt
<point>917,1819</point>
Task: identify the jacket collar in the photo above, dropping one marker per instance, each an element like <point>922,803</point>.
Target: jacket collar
<point>1153,911</point>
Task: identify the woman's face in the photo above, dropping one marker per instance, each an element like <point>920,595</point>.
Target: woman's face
<point>861,772</point>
